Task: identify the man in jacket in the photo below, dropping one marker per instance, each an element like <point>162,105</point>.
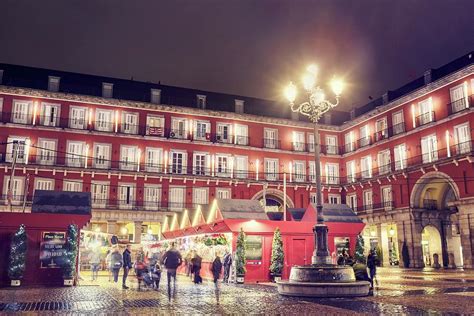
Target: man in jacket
<point>127,265</point>
<point>216,269</point>
<point>172,260</point>
<point>227,264</point>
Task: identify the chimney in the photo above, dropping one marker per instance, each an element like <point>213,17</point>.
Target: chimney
<point>239,106</point>
<point>428,76</point>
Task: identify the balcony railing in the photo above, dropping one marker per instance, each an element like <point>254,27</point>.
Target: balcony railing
<point>298,146</point>
<point>380,135</point>
<point>364,141</point>
<point>396,129</point>
<point>330,150</point>
<point>349,147</point>
<point>430,204</point>
<point>425,118</point>
<point>271,143</point>
<point>459,105</point>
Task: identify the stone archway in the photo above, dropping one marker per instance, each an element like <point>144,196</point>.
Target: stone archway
<point>434,190</point>
<point>431,245</point>
<point>274,197</point>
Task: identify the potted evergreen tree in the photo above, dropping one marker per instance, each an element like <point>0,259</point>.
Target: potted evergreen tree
<point>17,258</point>
<point>68,265</point>
<point>276,263</point>
<point>360,249</point>
<point>240,259</point>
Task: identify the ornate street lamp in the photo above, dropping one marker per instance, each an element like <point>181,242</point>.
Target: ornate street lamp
<point>314,110</point>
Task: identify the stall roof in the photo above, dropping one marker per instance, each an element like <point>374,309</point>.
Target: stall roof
<point>61,202</point>
<point>275,216</point>
<point>340,213</point>
<point>297,213</point>
<point>240,209</point>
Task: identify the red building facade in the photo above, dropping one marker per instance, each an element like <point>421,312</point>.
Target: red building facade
<point>403,162</point>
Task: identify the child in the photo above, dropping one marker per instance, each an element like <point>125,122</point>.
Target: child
<point>156,275</point>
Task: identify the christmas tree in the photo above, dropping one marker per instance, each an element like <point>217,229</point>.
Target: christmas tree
<point>240,259</point>
<point>70,255</point>
<point>18,247</point>
<point>276,263</point>
<point>359,249</point>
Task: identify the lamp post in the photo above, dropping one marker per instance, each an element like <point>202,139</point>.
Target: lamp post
<point>314,109</point>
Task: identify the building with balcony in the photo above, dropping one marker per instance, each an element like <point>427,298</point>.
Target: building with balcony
<point>403,162</point>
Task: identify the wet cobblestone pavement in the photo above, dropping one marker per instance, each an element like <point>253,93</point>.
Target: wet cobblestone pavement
<point>398,292</point>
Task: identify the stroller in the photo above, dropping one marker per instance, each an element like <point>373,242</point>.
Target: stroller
<point>143,274</point>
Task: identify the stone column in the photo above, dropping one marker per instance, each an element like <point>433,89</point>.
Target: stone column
<point>383,239</point>
<point>409,232</point>
<point>466,228</point>
<point>137,233</point>
<point>112,227</point>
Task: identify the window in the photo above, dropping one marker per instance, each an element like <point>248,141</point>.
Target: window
<point>332,173</point>
<point>223,133</point>
<point>387,197</point>
<point>201,163</point>
<point>334,199</point>
<point>239,106</point>
<point>155,96</point>
<point>44,184</point>
<point>75,154</point>
<point>202,130</point>
<point>178,128</point>
<point>49,114</point>
<point>72,186</point>
<point>178,162</point>
<point>311,142</point>
<point>300,174</point>
<point>312,171</point>
<point>429,149</point>
<point>270,138</point>
<point>384,161</point>
<point>459,98</point>
<point>128,157</point>
<point>17,189</point>
<point>241,134</point>
<point>241,167</point>
<point>364,136</point>
<point>22,146</point>
<point>349,142</point>
<point>222,165</point>
<point>53,83</point>
<point>155,125</point>
<point>126,198</point>
<point>222,193</point>
<point>366,167</point>
<point>77,117</point>
<point>425,109</point>
<point>351,171</point>
<point>381,131</point>
<point>462,137</point>
<point>398,123</point>
<point>352,201</point>
<point>176,198</point>
<point>101,157</point>
<point>400,155</point>
<point>107,90</point>
<point>201,101</point>
<point>298,141</point>
<point>103,120</point>
<point>152,197</point>
<point>129,123</point>
<point>271,169</point>
<point>153,159</point>
<point>331,145</point>
<point>99,194</point>
<point>46,151</point>
<point>200,196</point>
<point>21,113</point>
<point>367,199</point>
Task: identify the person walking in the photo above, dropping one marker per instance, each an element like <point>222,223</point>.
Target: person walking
<point>216,269</point>
<point>372,265</point>
<point>94,261</point>
<point>197,262</point>
<point>108,265</point>
<point>127,265</point>
<point>227,265</point>
<point>172,260</point>
<point>116,262</point>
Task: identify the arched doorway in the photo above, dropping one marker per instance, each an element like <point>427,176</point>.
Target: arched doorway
<point>273,200</point>
<point>431,245</point>
<point>433,191</point>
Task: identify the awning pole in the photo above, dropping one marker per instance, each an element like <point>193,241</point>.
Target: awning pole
<point>284,196</point>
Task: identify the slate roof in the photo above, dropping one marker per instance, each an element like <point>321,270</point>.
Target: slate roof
<point>61,202</point>
<point>297,213</point>
<point>341,213</point>
<point>241,209</point>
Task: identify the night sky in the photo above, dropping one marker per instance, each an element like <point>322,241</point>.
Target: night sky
<point>250,48</point>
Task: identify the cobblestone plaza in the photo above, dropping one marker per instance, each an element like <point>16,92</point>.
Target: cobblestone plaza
<point>398,292</point>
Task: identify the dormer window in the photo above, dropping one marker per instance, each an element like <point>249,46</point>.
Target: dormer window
<point>239,106</point>
<point>155,97</point>
<point>201,101</point>
<point>107,89</point>
<point>53,83</point>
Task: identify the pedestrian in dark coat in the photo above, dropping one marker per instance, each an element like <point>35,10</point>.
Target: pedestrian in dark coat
<point>172,260</point>
<point>116,262</point>
<point>227,265</point>
<point>216,269</point>
<point>197,261</point>
<point>127,265</point>
<point>372,266</point>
